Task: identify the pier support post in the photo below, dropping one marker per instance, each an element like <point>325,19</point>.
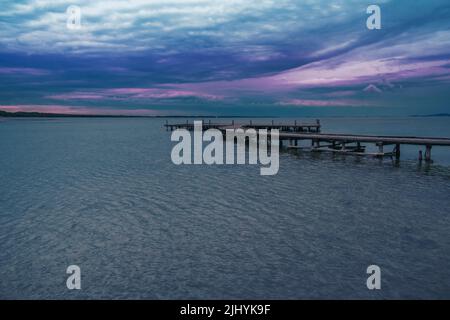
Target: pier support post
<point>428,153</point>
<point>380,147</point>
<point>316,144</point>
<point>397,151</point>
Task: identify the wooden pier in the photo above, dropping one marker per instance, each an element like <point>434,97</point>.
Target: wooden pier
<point>287,127</point>
<point>291,134</point>
<point>354,144</point>
<point>190,125</point>
<point>283,127</point>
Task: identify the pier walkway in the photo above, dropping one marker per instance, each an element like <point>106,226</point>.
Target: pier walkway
<point>284,127</point>
<point>353,144</point>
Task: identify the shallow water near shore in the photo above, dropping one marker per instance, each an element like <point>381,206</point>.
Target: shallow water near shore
<point>103,194</point>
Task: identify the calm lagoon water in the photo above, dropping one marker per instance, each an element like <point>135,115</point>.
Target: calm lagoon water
<point>103,194</point>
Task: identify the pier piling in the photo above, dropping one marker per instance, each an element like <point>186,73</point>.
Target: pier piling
<point>397,151</point>
<point>428,153</point>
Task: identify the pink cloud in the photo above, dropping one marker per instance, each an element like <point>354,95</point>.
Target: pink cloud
<point>323,103</point>
<point>133,93</point>
<point>357,72</point>
<point>154,93</point>
<point>326,73</point>
<point>76,96</point>
<point>127,91</point>
<point>345,93</point>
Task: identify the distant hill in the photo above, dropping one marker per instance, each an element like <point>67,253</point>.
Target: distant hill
<point>22,114</point>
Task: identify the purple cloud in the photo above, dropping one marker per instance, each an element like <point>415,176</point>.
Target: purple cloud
<point>23,71</point>
<point>323,103</point>
<point>322,74</point>
<point>133,93</point>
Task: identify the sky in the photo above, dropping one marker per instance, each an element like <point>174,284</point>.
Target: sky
<point>225,58</point>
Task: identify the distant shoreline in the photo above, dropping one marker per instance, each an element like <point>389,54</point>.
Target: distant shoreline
<point>431,115</point>
<point>21,114</point>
